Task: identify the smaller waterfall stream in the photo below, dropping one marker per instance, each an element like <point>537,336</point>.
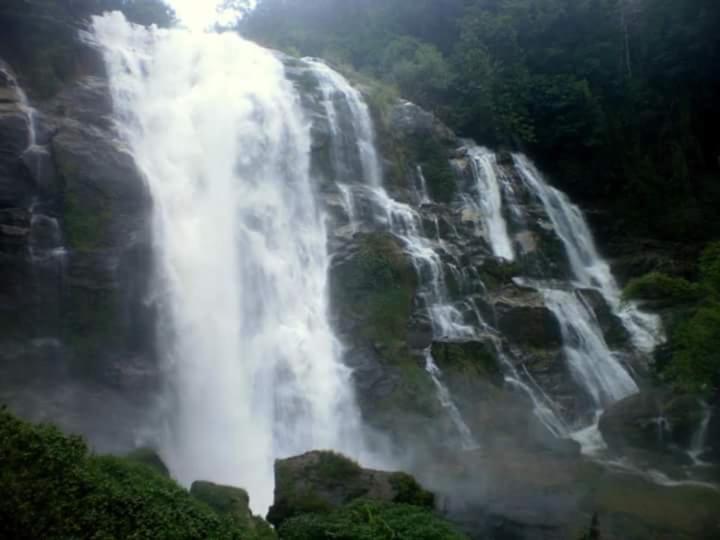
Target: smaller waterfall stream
<point>590,270</point>
<point>488,191</point>
<point>399,218</point>
<point>592,362</point>
<point>698,444</point>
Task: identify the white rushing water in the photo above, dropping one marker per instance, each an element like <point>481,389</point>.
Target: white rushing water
<point>333,86</point>
<point>483,163</point>
<point>22,100</point>
<point>698,443</point>
<point>252,366</point>
<point>401,219</point>
<point>589,268</point>
<point>591,361</point>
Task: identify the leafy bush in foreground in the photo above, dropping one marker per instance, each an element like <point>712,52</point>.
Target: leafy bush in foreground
<point>370,520</point>
<point>53,488</point>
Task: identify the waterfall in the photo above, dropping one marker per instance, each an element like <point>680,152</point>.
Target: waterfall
<point>23,103</point>
<point>698,444</point>
<point>589,269</point>
<point>592,363</point>
<point>488,192</point>
<point>253,369</point>
<point>421,189</point>
<point>403,221</point>
<point>334,86</point>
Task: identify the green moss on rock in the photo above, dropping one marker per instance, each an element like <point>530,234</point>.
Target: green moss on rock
<point>470,359</point>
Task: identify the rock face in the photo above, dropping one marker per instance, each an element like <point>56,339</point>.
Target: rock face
<point>322,481</point>
<point>653,421</point>
<point>76,332</point>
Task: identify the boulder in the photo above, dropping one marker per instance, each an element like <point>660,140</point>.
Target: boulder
<point>322,481</point>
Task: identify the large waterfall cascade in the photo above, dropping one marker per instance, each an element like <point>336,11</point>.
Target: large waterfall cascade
<point>253,369</point>
<point>219,132</point>
<point>593,364</point>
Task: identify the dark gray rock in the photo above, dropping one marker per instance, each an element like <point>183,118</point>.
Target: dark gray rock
<point>655,421</point>
<point>322,481</point>
<point>39,164</point>
<point>533,326</point>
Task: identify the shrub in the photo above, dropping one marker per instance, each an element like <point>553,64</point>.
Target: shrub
<point>370,520</point>
<point>53,488</point>
<point>696,354</point>
<point>658,286</point>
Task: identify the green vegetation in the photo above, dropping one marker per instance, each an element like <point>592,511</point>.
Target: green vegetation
<point>470,359</point>
<point>695,337</point>
<point>668,289</point>
<point>613,97</point>
<point>53,488</point>
<point>370,520</point>
<point>376,286</point>
<point>410,492</point>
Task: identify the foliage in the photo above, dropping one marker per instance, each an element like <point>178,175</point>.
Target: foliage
<point>695,340</point>
<point>410,492</point>
<point>612,96</point>
<point>370,520</point>
<point>696,350</point>
<point>54,489</point>
<point>659,286</point>
<point>710,267</point>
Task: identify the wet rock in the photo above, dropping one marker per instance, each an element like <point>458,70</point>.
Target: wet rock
<point>15,189</point>
<point>532,326</point>
<point>39,164</point>
<point>654,421</point>
<point>616,335</point>
<point>473,360</point>
<point>408,119</point>
<point>323,481</point>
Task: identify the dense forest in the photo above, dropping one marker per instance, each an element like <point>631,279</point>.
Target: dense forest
<point>616,98</point>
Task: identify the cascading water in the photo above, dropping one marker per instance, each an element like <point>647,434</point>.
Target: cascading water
<point>589,269</point>
<point>590,359</point>
<point>252,366</point>
<point>401,219</point>
<point>488,191</point>
<point>699,438</point>
<point>594,366</point>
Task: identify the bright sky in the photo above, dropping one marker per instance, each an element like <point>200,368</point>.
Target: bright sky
<point>200,14</point>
